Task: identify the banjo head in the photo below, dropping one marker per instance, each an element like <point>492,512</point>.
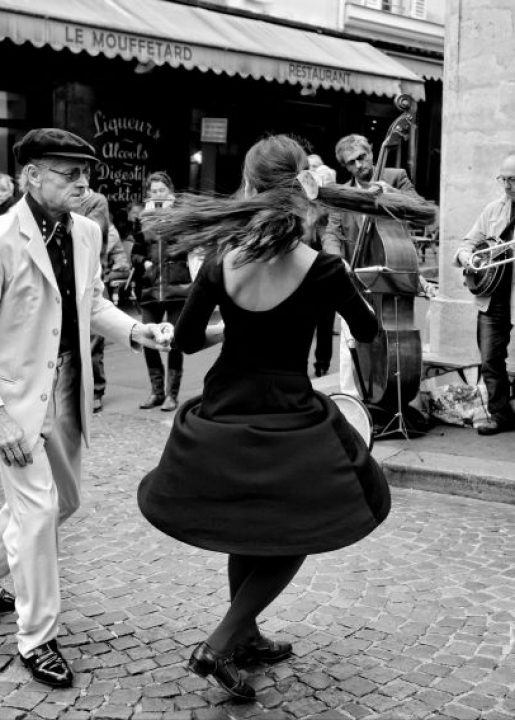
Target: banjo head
<point>356,414</point>
<point>484,281</point>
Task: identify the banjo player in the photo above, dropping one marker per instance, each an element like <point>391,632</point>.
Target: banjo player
<point>496,308</point>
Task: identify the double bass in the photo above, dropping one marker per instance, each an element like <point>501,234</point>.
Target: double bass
<point>385,261</point>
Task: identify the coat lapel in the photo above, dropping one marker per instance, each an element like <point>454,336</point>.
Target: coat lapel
<point>80,260</point>
<point>36,245</point>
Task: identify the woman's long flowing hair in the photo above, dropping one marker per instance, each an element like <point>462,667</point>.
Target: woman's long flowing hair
<point>271,219</point>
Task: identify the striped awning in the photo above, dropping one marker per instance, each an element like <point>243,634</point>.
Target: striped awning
<point>159,32</point>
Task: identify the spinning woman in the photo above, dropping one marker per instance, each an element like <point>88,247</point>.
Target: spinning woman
<point>261,466</point>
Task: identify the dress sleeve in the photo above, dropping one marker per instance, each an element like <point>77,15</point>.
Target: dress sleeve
<point>190,329</point>
<point>350,303</point>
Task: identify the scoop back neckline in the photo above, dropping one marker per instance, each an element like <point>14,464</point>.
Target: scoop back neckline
<point>279,304</point>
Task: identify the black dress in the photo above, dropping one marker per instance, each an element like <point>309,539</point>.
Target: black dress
<point>261,464</point>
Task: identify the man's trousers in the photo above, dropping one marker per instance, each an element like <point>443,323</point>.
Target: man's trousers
<point>38,498</point>
<point>493,338</point>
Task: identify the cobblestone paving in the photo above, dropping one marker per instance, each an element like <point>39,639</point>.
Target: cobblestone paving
<point>416,621</point>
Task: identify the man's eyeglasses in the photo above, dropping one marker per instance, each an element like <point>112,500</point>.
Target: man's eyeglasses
<point>71,175</point>
<point>506,180</point>
<point>361,158</point>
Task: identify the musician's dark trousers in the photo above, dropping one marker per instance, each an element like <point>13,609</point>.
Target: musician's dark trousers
<point>493,337</point>
<point>97,361</point>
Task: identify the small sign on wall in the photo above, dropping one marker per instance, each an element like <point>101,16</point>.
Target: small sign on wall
<point>214,130</point>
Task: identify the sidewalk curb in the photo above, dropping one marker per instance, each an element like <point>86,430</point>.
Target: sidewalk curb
<point>448,474</point>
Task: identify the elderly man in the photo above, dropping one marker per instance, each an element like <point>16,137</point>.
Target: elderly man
<point>51,295</point>
<point>354,153</point>
<point>496,312</point>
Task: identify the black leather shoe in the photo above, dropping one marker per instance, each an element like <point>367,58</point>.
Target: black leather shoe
<point>262,650</point>
<point>152,401</point>
<point>321,369</point>
<point>98,405</point>
<point>6,601</point>
<point>48,666</point>
<point>169,404</point>
<point>204,661</point>
<point>494,426</point>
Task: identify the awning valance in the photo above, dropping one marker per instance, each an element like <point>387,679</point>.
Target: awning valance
<point>192,37</point>
<point>429,68</point>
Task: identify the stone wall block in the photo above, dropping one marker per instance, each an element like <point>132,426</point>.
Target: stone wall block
<point>478,131</point>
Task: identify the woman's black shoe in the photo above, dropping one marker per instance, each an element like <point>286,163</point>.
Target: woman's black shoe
<point>48,666</point>
<point>262,649</point>
<point>204,661</point>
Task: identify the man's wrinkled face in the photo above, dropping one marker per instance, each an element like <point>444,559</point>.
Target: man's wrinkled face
<point>60,183</point>
<point>359,162</point>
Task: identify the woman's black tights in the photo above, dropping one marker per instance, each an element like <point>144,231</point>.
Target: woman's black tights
<point>254,583</point>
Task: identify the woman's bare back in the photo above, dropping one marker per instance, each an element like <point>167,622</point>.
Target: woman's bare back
<point>261,286</point>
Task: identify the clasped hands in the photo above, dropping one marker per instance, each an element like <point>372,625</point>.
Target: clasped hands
<point>156,336</point>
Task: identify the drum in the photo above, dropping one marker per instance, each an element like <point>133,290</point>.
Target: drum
<point>356,415</point>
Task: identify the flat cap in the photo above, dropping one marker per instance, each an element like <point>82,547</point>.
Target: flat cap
<point>44,142</point>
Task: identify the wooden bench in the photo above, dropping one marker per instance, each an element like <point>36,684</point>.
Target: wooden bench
<point>434,365</point>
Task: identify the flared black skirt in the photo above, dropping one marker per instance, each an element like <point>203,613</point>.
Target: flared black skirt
<point>296,481</point>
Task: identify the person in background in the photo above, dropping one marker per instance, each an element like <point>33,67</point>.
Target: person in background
<point>160,191</point>
<point>133,226</point>
<point>165,283</point>
<point>128,225</point>
<point>496,311</point>
<point>51,296</point>
<point>7,198</point>
<point>324,331</point>
<point>324,172</point>
<point>95,207</point>
<point>118,267</point>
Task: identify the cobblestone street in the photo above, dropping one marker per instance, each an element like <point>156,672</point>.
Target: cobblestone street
<point>416,621</point>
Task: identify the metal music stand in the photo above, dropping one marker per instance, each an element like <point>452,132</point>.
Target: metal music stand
<point>398,424</point>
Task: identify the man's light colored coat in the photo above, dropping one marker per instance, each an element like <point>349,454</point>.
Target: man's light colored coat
<point>30,316</point>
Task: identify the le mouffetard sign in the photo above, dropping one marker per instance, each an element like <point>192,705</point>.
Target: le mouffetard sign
<point>168,51</point>
<point>125,146</point>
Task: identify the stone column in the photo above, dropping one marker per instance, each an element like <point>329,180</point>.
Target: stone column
<point>478,131</point>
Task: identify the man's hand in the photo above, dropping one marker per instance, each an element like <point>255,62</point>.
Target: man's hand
<point>374,188</point>
<point>13,445</point>
<point>464,257</point>
<point>428,289</point>
<point>154,336</point>
<point>386,187</point>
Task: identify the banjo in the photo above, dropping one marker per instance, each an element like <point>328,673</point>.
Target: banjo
<point>487,265</point>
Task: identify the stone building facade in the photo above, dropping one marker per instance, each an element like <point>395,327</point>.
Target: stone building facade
<point>478,131</point>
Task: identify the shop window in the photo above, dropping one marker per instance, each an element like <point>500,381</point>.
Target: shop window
<point>13,113</point>
<point>257,6</point>
<point>409,8</point>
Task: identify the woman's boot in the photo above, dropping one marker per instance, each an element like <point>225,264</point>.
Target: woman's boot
<point>157,394</point>
<point>172,390</point>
